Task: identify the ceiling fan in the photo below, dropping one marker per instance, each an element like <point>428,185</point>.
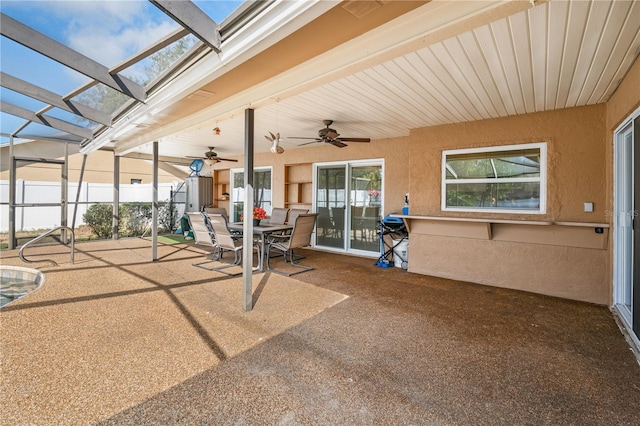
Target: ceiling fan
<point>212,157</point>
<point>329,135</point>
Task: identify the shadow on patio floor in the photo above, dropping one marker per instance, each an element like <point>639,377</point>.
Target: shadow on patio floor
<point>117,339</point>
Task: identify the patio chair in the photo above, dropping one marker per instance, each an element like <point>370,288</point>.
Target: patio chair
<point>291,219</point>
<point>370,220</point>
<point>278,216</point>
<point>337,221</point>
<point>216,210</point>
<point>203,235</point>
<point>227,241</point>
<point>300,237</point>
<point>324,221</point>
<point>294,213</point>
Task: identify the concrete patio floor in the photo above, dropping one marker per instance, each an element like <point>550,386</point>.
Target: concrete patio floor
<point>117,339</point>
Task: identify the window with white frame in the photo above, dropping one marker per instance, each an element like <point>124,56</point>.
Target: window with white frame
<point>504,179</point>
<point>261,191</point>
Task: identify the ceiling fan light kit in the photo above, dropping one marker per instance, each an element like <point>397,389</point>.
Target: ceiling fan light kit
<point>211,157</point>
<point>331,136</point>
<point>275,143</point>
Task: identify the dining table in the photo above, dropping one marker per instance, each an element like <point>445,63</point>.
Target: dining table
<point>262,231</point>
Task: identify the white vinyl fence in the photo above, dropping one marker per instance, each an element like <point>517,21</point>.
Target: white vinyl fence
<point>49,217</point>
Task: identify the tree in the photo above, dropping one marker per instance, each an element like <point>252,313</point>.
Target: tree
<point>108,100</point>
<point>165,58</point>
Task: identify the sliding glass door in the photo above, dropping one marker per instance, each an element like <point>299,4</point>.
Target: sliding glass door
<point>331,199</point>
<point>348,200</point>
<point>626,272</point>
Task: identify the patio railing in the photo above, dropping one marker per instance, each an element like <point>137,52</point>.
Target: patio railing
<point>42,236</point>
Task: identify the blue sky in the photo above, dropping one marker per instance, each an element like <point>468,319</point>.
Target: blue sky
<point>106,31</point>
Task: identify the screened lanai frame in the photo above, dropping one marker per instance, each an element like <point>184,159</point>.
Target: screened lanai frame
<point>65,119</point>
<point>69,120</point>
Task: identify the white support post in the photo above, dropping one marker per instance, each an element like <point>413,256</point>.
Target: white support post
<point>154,206</point>
<point>64,204</point>
<point>116,196</point>
<point>247,249</point>
<point>247,227</point>
<point>12,196</point>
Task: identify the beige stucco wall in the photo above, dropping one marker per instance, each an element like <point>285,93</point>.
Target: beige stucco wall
<point>626,98</point>
<point>577,165</point>
<point>576,160</point>
<point>623,103</point>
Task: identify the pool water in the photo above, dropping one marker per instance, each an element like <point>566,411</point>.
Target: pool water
<point>17,282</point>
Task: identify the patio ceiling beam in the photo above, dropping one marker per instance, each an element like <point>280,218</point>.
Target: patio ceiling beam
<point>45,120</point>
<point>68,57</point>
<point>187,14</point>
<point>173,170</point>
<point>163,158</point>
<point>36,92</point>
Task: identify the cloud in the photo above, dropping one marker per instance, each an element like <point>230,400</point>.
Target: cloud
<point>105,31</point>
<point>112,31</point>
<point>110,46</point>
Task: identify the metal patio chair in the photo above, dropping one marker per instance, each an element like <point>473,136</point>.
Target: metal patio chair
<point>227,241</point>
<point>203,236</point>
<point>278,216</point>
<point>300,237</point>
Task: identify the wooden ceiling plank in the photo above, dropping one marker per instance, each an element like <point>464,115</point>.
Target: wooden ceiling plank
<point>472,64</point>
<point>379,96</point>
<point>410,89</point>
<point>519,26</point>
<point>492,70</point>
<point>557,24</point>
<point>502,35</point>
<point>592,35</point>
<point>577,19</point>
<point>539,51</point>
<point>379,79</point>
<point>624,18</point>
<point>414,66</point>
<point>452,76</point>
<point>447,89</point>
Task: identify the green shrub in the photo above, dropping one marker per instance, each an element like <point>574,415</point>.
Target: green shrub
<point>99,218</point>
<point>135,218</point>
<point>168,216</point>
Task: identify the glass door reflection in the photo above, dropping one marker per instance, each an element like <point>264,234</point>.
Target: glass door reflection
<point>330,204</point>
<point>349,204</point>
<point>366,196</point>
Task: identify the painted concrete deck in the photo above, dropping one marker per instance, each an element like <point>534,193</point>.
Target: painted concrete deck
<point>117,339</point>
